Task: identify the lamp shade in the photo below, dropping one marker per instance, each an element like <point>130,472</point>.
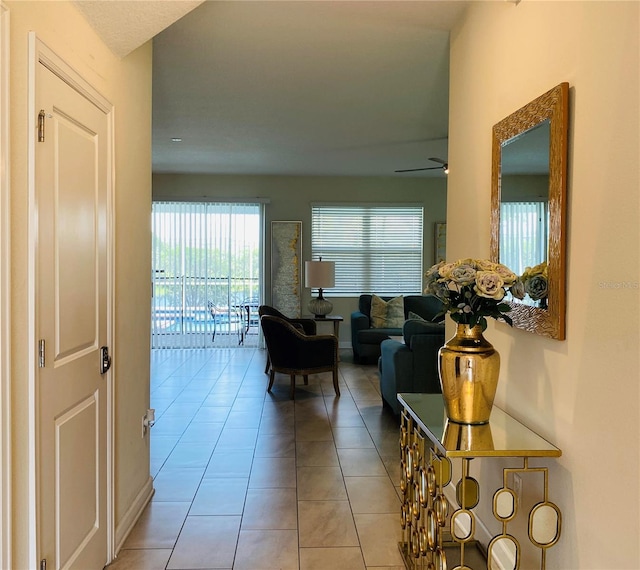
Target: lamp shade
<point>319,274</point>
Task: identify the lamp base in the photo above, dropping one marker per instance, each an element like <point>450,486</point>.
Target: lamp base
<point>320,307</point>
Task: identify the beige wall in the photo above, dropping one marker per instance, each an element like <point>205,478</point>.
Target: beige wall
<point>290,198</point>
<point>127,84</point>
<point>582,394</point>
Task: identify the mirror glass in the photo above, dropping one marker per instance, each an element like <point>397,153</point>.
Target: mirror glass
<point>504,504</point>
<point>545,524</point>
<point>528,208</point>
<point>504,551</point>
<point>524,208</point>
<point>462,525</point>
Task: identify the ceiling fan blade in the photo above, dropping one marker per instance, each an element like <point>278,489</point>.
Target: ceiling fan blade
<point>416,169</point>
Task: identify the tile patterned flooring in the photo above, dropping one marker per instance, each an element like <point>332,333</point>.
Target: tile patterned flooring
<point>249,480</point>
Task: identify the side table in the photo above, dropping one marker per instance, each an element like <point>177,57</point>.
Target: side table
<point>335,319</point>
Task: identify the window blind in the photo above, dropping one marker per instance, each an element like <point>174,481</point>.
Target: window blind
<point>206,259</point>
<point>376,248</point>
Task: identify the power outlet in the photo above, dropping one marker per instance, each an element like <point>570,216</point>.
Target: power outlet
<point>517,487</point>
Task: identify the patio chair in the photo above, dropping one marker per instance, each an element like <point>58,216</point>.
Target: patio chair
<point>212,311</point>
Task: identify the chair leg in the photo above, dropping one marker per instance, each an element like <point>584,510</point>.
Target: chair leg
<point>266,368</point>
<point>272,377</point>
<point>292,393</point>
<point>306,380</point>
<point>335,381</point>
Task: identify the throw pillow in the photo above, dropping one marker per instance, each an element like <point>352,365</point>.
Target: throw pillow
<point>387,314</point>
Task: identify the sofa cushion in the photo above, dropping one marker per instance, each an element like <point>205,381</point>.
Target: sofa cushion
<point>387,314</point>
<point>376,336</point>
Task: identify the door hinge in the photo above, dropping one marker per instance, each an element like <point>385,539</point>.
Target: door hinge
<point>41,353</point>
<point>41,116</point>
<point>43,564</point>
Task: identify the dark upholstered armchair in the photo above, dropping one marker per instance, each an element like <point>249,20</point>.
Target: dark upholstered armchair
<point>297,354</point>
<point>307,326</point>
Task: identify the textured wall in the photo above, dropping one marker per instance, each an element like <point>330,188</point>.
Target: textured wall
<point>581,394</point>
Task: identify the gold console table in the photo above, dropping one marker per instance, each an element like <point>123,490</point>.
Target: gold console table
<point>428,443</point>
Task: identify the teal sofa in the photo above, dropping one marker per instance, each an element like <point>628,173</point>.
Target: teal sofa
<point>366,340</point>
<point>411,365</point>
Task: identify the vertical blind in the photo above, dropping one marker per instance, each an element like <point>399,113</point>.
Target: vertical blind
<point>523,234</point>
<point>206,264</point>
<point>376,247</point>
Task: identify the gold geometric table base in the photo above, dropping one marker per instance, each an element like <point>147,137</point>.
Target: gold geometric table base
<point>430,531</point>
<point>475,558</point>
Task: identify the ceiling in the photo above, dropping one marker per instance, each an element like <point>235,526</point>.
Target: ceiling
<point>125,25</point>
<point>295,88</point>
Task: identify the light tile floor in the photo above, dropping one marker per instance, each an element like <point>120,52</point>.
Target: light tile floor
<point>249,480</point>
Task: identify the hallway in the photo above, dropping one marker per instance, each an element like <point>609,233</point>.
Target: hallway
<point>249,480</point>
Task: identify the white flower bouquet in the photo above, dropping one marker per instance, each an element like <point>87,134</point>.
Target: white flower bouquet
<point>473,289</point>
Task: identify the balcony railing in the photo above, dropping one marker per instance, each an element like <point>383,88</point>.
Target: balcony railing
<point>212,309</point>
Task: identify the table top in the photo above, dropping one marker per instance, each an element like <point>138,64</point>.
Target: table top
<point>503,436</point>
<point>325,318</point>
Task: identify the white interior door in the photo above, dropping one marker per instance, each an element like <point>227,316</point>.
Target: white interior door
<point>72,180</point>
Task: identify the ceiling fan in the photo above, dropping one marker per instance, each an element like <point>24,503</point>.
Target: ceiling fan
<point>443,166</point>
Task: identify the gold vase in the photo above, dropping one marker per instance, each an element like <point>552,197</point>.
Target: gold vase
<point>469,367</point>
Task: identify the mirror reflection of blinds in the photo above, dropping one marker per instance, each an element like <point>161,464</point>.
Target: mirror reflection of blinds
<point>377,248</point>
<point>523,234</point>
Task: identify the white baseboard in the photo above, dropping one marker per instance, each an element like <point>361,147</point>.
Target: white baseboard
<point>133,514</point>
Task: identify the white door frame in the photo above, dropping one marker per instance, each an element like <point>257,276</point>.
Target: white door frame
<point>40,54</point>
<point>5,303</point>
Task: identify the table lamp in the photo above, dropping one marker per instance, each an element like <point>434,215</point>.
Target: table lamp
<point>319,275</point>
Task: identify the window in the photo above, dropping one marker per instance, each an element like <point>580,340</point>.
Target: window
<point>206,259</point>
<point>376,248</point>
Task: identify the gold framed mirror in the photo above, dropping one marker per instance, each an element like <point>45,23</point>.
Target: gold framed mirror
<point>528,208</point>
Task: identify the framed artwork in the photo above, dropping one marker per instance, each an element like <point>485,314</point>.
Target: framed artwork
<point>439,242</point>
<point>286,266</point>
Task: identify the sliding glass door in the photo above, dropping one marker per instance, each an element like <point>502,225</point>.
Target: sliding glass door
<point>207,274</point>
